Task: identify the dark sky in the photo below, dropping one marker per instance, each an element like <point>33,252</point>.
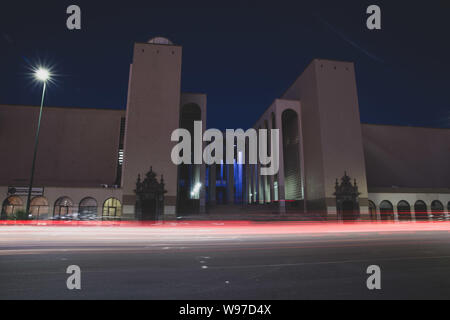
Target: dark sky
<point>243,54</point>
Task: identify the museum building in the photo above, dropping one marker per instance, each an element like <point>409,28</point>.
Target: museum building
<point>116,164</point>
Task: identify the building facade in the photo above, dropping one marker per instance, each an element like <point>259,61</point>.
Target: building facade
<point>331,167</point>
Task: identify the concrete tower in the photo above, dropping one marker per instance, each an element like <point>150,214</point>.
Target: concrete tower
<point>152,115</point>
<point>331,131</point>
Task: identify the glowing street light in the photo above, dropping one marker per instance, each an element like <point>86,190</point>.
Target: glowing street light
<point>43,75</point>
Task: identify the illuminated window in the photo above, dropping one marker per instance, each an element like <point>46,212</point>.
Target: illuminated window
<point>112,209</point>
<point>120,157</point>
<point>120,152</point>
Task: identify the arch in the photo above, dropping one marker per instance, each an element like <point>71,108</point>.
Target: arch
<point>11,206</point>
<point>421,210</point>
<point>112,209</point>
<point>386,210</point>
<point>372,211</point>
<point>291,156</point>
<point>404,210</point>
<point>39,208</point>
<point>87,209</point>
<point>437,209</point>
<point>63,208</point>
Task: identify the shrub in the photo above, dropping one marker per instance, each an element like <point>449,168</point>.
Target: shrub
<point>22,215</point>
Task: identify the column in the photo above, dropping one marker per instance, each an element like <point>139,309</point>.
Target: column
<point>202,169</point>
<point>212,184</point>
<point>230,183</point>
<point>247,183</point>
<point>413,213</point>
<point>281,189</point>
<point>446,210</point>
<point>395,214</point>
<point>272,191</point>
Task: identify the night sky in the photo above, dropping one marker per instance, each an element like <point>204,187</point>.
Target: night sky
<point>243,55</point>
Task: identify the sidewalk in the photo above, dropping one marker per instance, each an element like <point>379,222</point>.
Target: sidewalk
<point>252,216</point>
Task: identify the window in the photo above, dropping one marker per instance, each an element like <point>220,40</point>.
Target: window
<point>120,152</point>
<point>39,208</point>
<point>112,209</point>
<point>11,206</point>
<point>87,209</point>
<point>421,210</point>
<point>63,208</point>
<point>404,210</point>
<point>386,210</point>
<point>437,208</point>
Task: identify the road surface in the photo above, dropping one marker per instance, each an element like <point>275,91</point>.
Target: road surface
<point>242,261</point>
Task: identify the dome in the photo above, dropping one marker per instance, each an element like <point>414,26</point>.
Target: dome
<point>160,40</point>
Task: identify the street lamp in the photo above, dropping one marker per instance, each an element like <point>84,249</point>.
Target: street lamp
<point>43,75</point>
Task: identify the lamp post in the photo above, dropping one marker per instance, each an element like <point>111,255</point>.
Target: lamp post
<point>41,75</point>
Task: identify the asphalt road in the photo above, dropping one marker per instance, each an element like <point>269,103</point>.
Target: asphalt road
<point>262,261</point>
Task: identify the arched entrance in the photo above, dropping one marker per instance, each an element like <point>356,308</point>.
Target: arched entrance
<point>11,206</point>
<point>63,208</point>
<point>386,211</point>
<point>39,209</point>
<point>421,211</point>
<point>112,209</point>
<point>404,211</point>
<point>437,209</point>
<point>87,209</point>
